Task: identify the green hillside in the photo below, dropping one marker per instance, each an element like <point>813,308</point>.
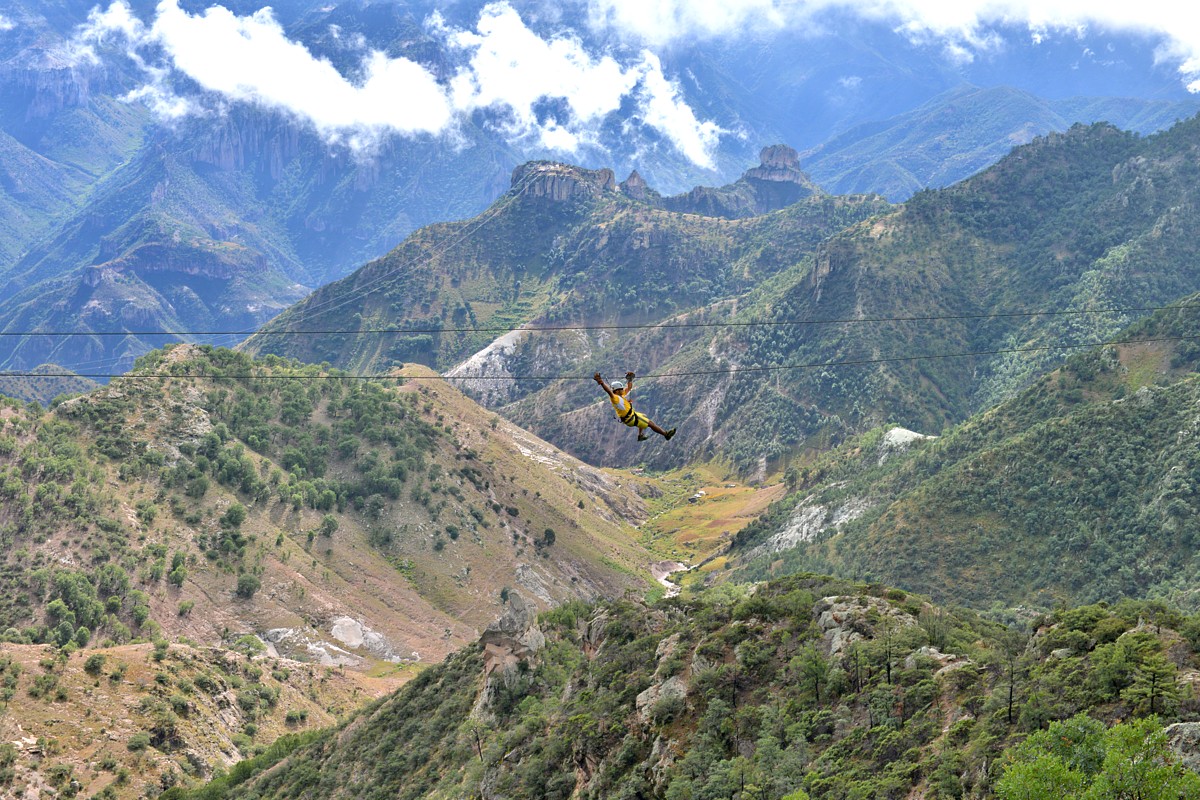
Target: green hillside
<point>44,383</point>
<point>1070,225</point>
<point>564,246</point>
<point>1080,488</point>
<point>805,687</point>
<point>216,501</point>
<point>205,476</point>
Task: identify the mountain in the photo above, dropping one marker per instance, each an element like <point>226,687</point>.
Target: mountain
<point>1078,489</point>
<point>392,518</point>
<point>565,246</point>
<point>919,317</point>
<point>963,131</point>
<point>118,219</point>
<point>805,687</point>
<point>215,230</point>
<point>43,384</point>
<point>273,508</point>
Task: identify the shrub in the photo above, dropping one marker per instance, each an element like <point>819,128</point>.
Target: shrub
<point>94,664</point>
<point>247,585</point>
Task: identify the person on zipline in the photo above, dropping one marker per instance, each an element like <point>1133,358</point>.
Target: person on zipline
<point>619,393</point>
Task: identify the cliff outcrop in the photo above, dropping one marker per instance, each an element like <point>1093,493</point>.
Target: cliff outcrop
<point>561,182</point>
<point>777,182</point>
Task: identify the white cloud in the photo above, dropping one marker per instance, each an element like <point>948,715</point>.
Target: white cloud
<point>250,59</point>
<point>962,25</point>
<point>661,21</point>
<point>551,90</point>
<point>512,68</point>
<point>6,24</point>
<point>664,109</point>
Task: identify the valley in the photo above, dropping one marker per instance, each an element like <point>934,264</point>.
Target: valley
<point>306,490</point>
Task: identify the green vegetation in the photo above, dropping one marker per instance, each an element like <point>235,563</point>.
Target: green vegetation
<point>1064,224</point>
<point>806,686</point>
<point>1080,488</point>
<point>54,480</point>
<point>1079,759</point>
<point>594,258</point>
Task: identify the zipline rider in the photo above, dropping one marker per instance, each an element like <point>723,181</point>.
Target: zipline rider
<point>619,394</point>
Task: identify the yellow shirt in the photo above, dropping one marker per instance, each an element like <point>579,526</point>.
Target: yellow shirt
<point>621,406</point>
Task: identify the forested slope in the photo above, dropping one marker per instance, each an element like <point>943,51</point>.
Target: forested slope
<point>255,488</point>
<point>786,331</point>
<point>1080,488</point>
<point>804,687</point>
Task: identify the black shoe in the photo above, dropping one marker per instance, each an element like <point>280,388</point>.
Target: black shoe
<point>642,437</point>
<point>669,434</point>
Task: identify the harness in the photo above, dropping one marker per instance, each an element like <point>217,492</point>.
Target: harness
<point>629,417</point>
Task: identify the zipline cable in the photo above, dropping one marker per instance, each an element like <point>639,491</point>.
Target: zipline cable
<point>649,376</point>
<point>629,326</point>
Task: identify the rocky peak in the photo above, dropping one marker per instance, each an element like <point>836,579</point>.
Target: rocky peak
<point>561,182</point>
<point>779,163</point>
<point>775,183</point>
<point>635,186</point>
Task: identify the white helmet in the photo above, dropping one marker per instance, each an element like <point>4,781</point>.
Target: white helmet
<point>617,385</point>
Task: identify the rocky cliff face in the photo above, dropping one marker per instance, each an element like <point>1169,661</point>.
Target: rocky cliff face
<point>777,182</point>
<point>508,643</point>
<point>636,188</point>
<point>46,85</point>
<point>780,164</point>
<point>561,182</point>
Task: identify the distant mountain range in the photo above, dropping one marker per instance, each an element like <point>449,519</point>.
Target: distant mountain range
<point>116,222</point>
<point>963,131</point>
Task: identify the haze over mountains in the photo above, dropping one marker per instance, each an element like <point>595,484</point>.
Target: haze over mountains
<point>156,185</point>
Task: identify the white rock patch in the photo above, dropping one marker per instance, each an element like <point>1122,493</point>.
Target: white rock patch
<point>897,440</point>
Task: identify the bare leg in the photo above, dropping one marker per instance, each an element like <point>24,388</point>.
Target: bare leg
<point>657,429</point>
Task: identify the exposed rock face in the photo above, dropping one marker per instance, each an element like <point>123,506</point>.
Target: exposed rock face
<point>809,521</point>
<point>775,183</point>
<point>897,440</point>
<point>1184,739</point>
<point>635,186</point>
<point>844,620</point>
<point>512,638</point>
<point>780,163</point>
<point>49,84</point>
<point>242,138</point>
<point>508,642</point>
<point>561,182</point>
<point>673,688</point>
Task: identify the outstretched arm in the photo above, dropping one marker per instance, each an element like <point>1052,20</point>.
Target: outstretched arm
<point>629,376</point>
<point>603,385</point>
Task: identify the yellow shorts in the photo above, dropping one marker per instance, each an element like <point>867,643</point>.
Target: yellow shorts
<point>640,420</point>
